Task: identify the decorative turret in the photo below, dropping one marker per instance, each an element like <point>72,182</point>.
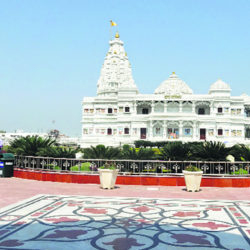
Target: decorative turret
<point>116,74</point>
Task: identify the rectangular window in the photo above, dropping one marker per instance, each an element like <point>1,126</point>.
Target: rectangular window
<point>211,132</point>
<point>126,131</point>
<point>233,111</point>
<point>238,111</point>
<point>134,131</point>
<point>127,109</point>
<point>226,110</point>
<point>110,110</point>
<point>120,131</point>
<point>86,110</point>
<point>109,131</point>
<point>115,110</point>
<point>187,131</point>
<point>91,111</point>
<point>98,111</point>
<point>115,131</point>
<point>239,133</point>
<point>144,111</point>
<point>220,132</point>
<point>85,131</point>
<point>219,110</point>
<point>120,109</point>
<point>103,131</point>
<point>233,132</point>
<point>227,132</point>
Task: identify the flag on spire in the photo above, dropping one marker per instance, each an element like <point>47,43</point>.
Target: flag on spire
<point>112,23</point>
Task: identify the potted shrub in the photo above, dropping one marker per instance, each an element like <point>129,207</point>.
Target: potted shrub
<point>108,174</point>
<point>192,176</point>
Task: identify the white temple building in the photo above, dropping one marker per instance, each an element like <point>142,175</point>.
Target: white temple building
<point>119,114</point>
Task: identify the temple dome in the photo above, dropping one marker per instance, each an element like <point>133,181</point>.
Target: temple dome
<point>219,86</point>
<point>173,86</point>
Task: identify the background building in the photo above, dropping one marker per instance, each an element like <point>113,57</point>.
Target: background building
<point>119,114</point>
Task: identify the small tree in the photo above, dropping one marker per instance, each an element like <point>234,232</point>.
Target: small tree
<point>102,152</point>
<point>30,145</point>
<point>174,151</point>
<point>209,151</point>
<point>138,153</point>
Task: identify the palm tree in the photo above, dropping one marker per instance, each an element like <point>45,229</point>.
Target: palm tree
<point>175,151</point>
<point>102,152</point>
<point>240,152</point>
<point>58,152</point>
<point>138,154</point>
<point>209,151</point>
<point>30,145</point>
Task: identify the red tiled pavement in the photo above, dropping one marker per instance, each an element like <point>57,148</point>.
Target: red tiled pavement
<point>15,189</point>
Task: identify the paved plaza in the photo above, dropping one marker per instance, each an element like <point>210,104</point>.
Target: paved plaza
<point>50,215</point>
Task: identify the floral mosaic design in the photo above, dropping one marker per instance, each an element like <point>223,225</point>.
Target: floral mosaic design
<point>78,222</point>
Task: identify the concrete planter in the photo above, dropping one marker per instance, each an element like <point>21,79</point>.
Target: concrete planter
<point>108,177</point>
<point>192,180</point>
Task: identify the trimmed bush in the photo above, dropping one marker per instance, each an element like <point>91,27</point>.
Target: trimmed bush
<point>84,167</point>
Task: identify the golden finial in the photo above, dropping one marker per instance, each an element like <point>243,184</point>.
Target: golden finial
<point>115,52</point>
<point>173,73</point>
<point>117,34</point>
<point>126,54</point>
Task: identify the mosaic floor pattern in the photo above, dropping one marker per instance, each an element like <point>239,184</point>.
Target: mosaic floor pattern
<point>80,222</point>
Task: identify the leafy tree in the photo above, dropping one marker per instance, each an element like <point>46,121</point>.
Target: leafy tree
<point>209,151</point>
<point>30,145</point>
<point>102,152</point>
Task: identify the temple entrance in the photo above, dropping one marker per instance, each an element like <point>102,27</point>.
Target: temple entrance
<point>202,134</point>
<point>143,133</point>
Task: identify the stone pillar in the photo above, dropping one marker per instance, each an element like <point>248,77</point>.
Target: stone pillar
<point>164,129</point>
<point>151,129</point>
<point>193,107</point>
<point>211,108</point>
<point>180,107</point>
<point>135,108</point>
<point>180,130</point>
<point>152,107</point>
<point>165,107</point>
<point>195,131</point>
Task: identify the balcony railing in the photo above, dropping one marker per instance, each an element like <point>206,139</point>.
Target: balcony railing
<point>133,167</point>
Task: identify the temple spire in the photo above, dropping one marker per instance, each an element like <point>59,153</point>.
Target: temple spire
<point>116,74</point>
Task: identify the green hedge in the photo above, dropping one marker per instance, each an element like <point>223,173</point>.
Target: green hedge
<point>84,167</point>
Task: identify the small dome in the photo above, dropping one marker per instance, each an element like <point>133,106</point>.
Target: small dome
<point>173,86</point>
<point>219,85</point>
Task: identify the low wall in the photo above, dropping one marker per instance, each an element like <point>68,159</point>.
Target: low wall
<point>70,177</point>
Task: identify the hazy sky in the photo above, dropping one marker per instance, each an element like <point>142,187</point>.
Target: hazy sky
<point>51,52</point>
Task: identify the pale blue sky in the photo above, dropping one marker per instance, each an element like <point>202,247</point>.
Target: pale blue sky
<point>51,52</point>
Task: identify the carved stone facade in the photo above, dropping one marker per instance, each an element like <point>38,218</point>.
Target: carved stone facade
<point>119,114</point>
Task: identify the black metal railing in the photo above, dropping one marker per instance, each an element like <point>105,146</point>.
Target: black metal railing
<point>142,167</point>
